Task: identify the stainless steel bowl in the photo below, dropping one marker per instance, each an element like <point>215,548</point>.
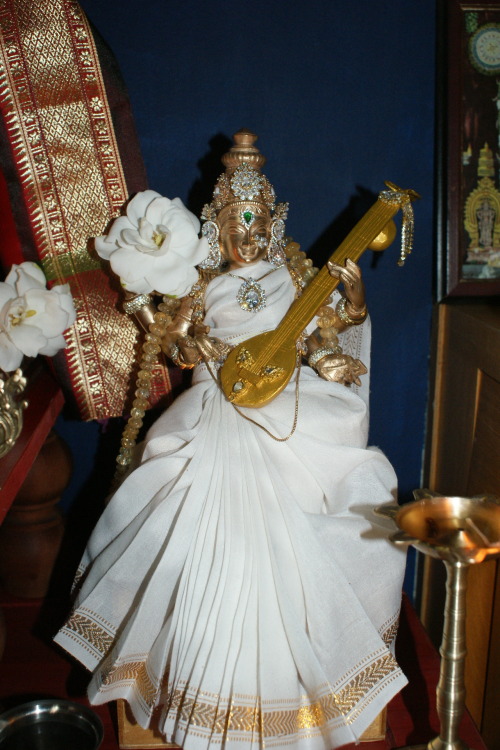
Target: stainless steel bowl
<point>50,725</point>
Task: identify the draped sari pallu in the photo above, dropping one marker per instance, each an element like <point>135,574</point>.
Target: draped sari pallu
<point>71,158</point>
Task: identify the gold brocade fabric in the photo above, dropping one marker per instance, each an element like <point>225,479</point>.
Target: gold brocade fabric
<point>55,110</point>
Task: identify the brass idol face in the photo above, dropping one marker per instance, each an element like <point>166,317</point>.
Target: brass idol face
<point>244,235</point>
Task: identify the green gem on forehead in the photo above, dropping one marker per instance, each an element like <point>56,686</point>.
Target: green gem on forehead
<point>247,217</point>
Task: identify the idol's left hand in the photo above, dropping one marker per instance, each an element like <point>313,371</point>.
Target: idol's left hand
<point>354,288</point>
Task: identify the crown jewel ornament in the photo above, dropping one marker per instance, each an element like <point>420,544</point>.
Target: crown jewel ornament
<point>246,183</point>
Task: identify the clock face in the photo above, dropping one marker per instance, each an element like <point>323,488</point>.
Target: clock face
<point>484,49</point>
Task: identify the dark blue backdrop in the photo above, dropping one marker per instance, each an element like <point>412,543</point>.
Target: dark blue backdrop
<point>341,95</point>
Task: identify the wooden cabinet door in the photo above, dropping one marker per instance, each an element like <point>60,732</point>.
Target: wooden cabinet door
<point>464,459</point>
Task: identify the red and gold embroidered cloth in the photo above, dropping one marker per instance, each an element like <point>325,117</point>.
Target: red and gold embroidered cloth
<point>71,159</point>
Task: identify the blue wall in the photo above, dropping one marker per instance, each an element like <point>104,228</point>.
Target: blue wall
<point>341,95</point>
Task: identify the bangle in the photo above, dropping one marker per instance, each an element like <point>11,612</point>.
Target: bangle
<point>132,306</point>
<point>344,315</point>
<point>175,355</point>
<point>184,317</point>
<point>323,351</point>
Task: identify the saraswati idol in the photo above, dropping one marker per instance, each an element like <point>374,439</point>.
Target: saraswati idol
<point>229,587</point>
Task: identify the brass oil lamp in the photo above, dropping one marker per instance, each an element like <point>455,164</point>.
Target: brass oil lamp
<point>461,532</point>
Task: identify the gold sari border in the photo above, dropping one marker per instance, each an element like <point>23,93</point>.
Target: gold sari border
<point>240,714</point>
<point>223,716</point>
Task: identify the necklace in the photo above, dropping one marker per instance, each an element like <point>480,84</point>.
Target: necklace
<point>249,419</point>
<point>251,295</point>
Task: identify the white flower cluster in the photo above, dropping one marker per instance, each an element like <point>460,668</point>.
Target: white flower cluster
<point>32,317</point>
<point>155,247</point>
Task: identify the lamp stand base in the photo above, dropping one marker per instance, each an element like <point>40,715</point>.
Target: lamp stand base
<point>437,744</point>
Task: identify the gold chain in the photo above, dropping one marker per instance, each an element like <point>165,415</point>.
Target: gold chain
<point>260,426</point>
<point>250,278</point>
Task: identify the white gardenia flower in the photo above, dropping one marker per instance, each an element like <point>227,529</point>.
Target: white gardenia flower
<point>155,247</point>
<point>32,317</point>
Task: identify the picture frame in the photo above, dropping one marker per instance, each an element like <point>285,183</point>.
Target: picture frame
<point>468,148</point>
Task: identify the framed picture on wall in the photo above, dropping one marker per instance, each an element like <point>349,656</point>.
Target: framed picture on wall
<point>468,129</point>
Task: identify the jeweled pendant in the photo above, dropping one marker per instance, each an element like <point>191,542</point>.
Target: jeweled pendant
<point>251,296</point>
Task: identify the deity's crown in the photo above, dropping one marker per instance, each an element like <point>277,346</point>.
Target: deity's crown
<point>242,182</point>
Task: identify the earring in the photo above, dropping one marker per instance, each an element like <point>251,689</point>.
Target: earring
<point>210,230</point>
<point>276,253</point>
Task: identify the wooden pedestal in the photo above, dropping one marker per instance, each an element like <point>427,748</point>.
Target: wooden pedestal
<point>131,735</point>
<point>377,729</point>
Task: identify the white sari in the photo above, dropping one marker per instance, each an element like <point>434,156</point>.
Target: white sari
<point>241,582</point>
